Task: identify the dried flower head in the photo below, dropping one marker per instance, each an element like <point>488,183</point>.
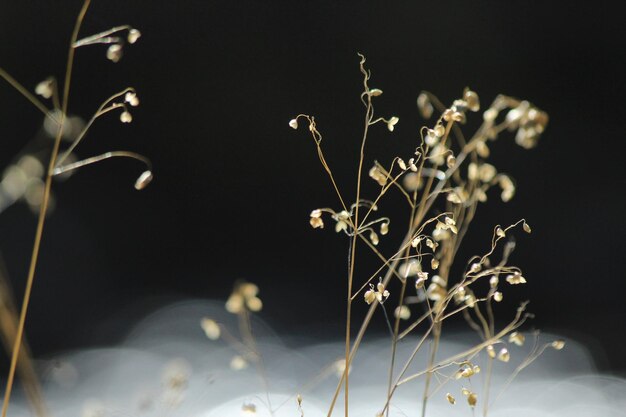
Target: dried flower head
<point>378,293</point>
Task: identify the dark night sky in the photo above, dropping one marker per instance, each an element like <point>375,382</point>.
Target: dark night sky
<point>218,82</point>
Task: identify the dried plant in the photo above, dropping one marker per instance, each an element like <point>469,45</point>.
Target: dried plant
<point>28,179</point>
<point>443,182</point>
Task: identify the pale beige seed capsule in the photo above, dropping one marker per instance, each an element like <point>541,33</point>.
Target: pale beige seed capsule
<point>114,53</point>
<point>391,123</point>
<point>487,172</point>
<point>497,296</point>
<point>316,222</point>
<point>450,399</point>
<point>44,88</point>
<point>211,328</point>
<point>126,117</point>
<point>131,98</point>
<point>248,409</point>
<point>402,312</point>
<point>491,351</point>
<point>526,227</point>
<point>517,338</point>
<point>237,363</point>
<point>374,238</point>
<point>401,164</point>
<point>471,98</point>
<point>434,263</point>
<point>482,149</point>
<point>490,115</point>
<point>254,304</point>
<point>293,123</point>
<point>450,161</point>
<point>144,179</point>
<point>558,344</point>
<point>384,228</point>
<point>424,106</point>
<point>235,303</point>
<point>493,281</point>
<point>375,92</point>
<point>472,399</point>
<point>515,279</point>
<point>504,355</point>
<point>133,35</point>
<point>500,232</point>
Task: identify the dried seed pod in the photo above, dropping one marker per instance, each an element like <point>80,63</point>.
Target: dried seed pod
<point>114,52</point>
<point>558,344</point>
<point>144,179</point>
<point>211,328</point>
<point>391,123</point>
<point>133,35</point>
<point>472,399</point>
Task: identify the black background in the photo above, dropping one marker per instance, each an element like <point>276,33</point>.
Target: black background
<point>218,83</point>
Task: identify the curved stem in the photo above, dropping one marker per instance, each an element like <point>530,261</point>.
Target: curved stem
<point>88,161</point>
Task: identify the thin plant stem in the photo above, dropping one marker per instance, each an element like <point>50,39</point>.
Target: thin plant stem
<point>42,213</point>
